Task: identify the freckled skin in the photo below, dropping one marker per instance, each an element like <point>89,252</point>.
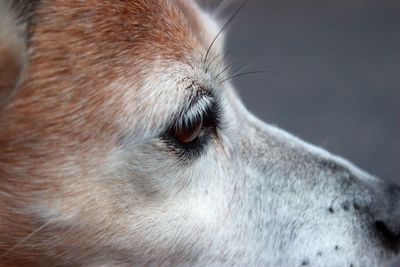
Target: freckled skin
<point>87,179</point>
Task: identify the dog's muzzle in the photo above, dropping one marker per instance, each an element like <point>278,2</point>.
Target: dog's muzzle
<point>387,225</point>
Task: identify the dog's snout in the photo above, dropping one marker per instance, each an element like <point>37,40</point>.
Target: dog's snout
<point>390,239</point>
<point>388,227</point>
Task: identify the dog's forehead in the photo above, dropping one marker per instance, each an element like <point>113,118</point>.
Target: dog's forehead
<point>130,29</point>
<point>95,55</point>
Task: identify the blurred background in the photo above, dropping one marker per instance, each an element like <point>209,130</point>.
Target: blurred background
<point>336,73</point>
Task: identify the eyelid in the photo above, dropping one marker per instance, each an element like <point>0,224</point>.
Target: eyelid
<point>196,112</point>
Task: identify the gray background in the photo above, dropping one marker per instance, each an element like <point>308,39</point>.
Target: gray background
<point>336,80</point>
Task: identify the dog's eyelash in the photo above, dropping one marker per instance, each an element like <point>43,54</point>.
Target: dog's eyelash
<point>210,113</point>
<point>196,112</point>
<point>187,152</point>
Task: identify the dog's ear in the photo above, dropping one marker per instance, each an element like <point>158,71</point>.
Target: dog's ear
<point>202,22</point>
<point>13,50</point>
<point>187,5</point>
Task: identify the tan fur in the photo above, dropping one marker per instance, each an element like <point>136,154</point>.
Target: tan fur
<point>49,127</point>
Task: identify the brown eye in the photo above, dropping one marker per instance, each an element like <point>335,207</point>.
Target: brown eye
<point>188,134</point>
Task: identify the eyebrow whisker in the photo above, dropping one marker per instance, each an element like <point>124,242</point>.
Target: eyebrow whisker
<point>223,28</point>
<point>214,59</point>
<point>225,70</point>
<point>245,74</point>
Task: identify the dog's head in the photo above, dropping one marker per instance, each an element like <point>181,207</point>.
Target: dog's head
<point>123,143</point>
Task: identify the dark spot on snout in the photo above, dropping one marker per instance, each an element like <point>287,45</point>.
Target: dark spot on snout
<point>346,206</point>
<point>331,210</point>
<point>389,239</point>
<point>337,247</point>
<point>351,265</point>
<point>305,262</point>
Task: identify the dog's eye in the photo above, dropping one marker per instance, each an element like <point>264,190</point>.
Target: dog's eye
<point>188,137</point>
<point>188,134</point>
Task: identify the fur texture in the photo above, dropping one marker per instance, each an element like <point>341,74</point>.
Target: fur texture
<point>87,178</point>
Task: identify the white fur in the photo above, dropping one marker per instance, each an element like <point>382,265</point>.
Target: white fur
<point>225,208</point>
<point>257,196</point>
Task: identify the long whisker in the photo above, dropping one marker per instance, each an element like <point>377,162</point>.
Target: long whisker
<point>245,74</point>
<point>22,241</point>
<point>226,69</point>
<point>238,71</point>
<point>223,28</point>
<point>215,58</point>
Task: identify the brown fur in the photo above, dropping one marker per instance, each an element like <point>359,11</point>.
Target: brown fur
<point>64,114</point>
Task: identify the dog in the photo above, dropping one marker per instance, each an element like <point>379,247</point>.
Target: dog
<point>124,143</point>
